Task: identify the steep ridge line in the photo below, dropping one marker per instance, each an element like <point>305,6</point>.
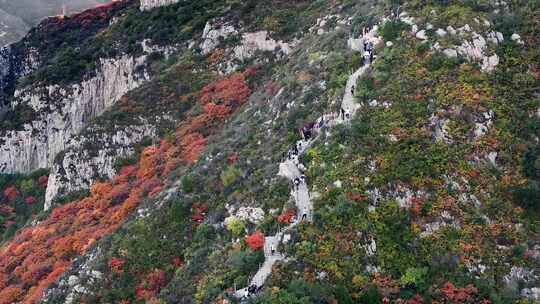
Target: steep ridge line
<point>291,169</point>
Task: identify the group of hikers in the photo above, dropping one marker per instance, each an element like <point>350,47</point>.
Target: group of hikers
<point>252,289</point>
<point>307,132</point>
<point>369,53</point>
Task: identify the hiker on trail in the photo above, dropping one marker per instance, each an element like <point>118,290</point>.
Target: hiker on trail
<point>304,216</point>
<point>303,178</point>
<point>297,183</point>
<point>272,249</point>
<point>371,56</point>
<point>366,57</point>
<point>252,289</point>
<point>352,90</point>
<point>321,123</point>
<point>247,293</point>
<point>307,130</point>
<point>347,115</point>
<point>342,114</point>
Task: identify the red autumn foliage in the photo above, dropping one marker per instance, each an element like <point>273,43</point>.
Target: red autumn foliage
<point>10,295</point>
<point>356,197</point>
<point>192,145</point>
<point>416,205</point>
<point>216,111</point>
<point>149,288</point>
<point>457,295</point>
<point>43,180</point>
<point>11,193</point>
<point>38,255</point>
<point>233,158</point>
<point>198,212</point>
<point>30,200</point>
<point>231,90</point>
<point>287,217</point>
<point>117,265</point>
<point>255,241</point>
<point>178,262</point>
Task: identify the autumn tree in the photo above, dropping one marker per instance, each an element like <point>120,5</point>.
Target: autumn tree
<point>255,241</point>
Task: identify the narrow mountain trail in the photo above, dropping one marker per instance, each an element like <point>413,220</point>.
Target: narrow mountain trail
<point>291,169</point>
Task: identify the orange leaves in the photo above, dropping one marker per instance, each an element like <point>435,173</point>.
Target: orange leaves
<point>10,295</point>
<point>117,265</point>
<point>149,288</point>
<point>148,162</point>
<point>100,190</point>
<point>231,90</point>
<point>215,111</point>
<point>255,241</point>
<point>192,146</point>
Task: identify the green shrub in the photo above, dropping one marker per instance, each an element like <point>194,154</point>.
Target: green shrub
<point>230,175</point>
<point>236,226</point>
<point>392,30</point>
<point>414,277</point>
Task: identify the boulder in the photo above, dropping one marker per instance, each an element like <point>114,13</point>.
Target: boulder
<point>421,35</point>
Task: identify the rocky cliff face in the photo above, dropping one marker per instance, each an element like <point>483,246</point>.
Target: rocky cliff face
<point>15,62</point>
<point>81,163</point>
<point>150,4</point>
<point>64,111</point>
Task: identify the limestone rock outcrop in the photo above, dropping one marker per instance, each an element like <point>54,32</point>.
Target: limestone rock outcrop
<point>150,4</point>
<point>62,111</point>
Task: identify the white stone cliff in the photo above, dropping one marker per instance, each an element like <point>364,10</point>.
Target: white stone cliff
<point>150,4</point>
<point>80,167</point>
<point>64,111</point>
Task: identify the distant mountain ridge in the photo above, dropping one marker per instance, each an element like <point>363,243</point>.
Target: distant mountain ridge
<point>17,17</point>
<point>12,28</point>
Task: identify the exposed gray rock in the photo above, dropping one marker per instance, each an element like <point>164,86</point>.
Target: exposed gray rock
<point>450,53</point>
<point>531,293</point>
<point>482,124</point>
<point>517,38</point>
<point>80,167</point>
<point>490,63</point>
<point>421,35</point>
<point>440,129</point>
<point>150,4</point>
<point>259,41</point>
<point>451,30</point>
<point>440,32</point>
<point>214,32</point>
<point>64,111</point>
<point>495,37</point>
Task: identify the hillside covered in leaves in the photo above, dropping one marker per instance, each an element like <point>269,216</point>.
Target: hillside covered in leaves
<point>427,191</point>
